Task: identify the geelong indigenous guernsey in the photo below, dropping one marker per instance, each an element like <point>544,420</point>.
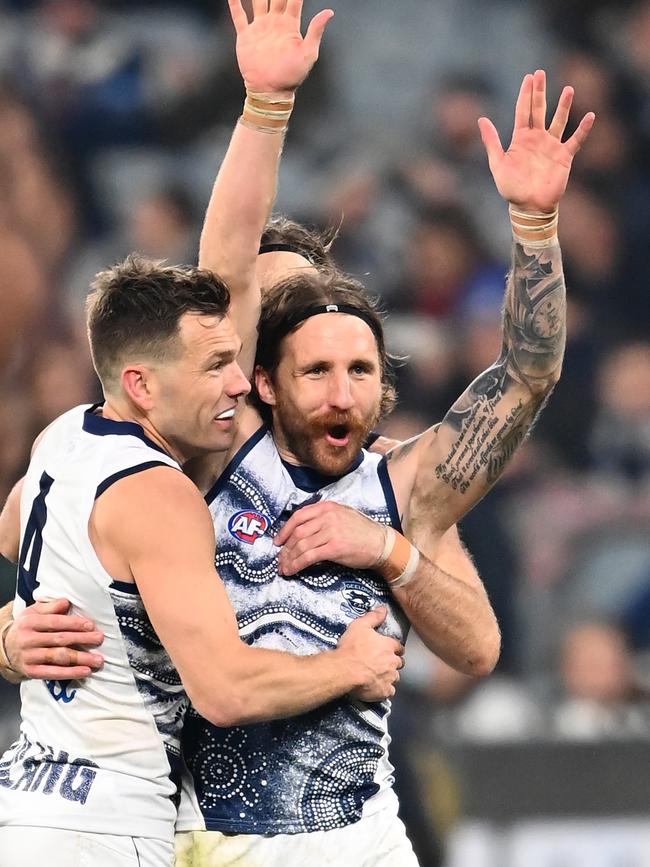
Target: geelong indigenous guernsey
<point>327,768</point>
<point>101,754</point>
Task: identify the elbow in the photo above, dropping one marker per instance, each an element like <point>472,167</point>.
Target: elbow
<point>551,380</point>
<point>223,708</point>
<point>541,387</point>
<point>483,662</point>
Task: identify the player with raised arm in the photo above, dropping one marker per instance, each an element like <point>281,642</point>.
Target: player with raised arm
<point>322,780</point>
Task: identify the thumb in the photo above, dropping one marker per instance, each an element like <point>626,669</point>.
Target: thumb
<point>490,139</point>
<point>375,617</point>
<point>316,29</point>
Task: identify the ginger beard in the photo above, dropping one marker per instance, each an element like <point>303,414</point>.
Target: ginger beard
<point>325,393</point>
<point>328,442</point>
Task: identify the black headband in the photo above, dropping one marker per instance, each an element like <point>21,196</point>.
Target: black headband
<point>316,309</point>
<point>284,248</point>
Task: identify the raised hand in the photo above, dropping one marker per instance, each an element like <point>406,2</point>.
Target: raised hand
<point>533,173</point>
<point>272,54</point>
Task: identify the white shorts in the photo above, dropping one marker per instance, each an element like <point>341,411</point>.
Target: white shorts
<point>23,846</point>
<point>378,840</point>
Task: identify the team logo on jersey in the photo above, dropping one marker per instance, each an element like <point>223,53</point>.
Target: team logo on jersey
<point>247,526</point>
<point>358,600</point>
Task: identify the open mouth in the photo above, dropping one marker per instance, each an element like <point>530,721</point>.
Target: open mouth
<point>338,435</point>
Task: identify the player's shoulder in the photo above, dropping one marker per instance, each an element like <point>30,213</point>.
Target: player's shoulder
<point>150,495</point>
<point>156,482</point>
<point>62,426</point>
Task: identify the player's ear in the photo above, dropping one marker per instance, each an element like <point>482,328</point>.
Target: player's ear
<point>264,386</point>
<point>137,383</point>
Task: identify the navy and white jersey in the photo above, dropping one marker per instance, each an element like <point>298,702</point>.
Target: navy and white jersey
<point>100,754</point>
<point>326,768</point>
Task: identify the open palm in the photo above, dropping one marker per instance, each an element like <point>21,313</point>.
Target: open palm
<point>272,54</point>
<point>534,171</point>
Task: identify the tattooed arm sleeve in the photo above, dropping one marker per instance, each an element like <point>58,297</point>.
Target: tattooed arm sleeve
<point>456,464</point>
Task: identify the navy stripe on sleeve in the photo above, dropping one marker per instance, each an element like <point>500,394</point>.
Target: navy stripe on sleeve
<point>129,471</point>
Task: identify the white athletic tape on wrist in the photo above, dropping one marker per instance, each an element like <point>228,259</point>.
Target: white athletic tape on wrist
<point>265,113</point>
<point>542,227</point>
<point>399,559</point>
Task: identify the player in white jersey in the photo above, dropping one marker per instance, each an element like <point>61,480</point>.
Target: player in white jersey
<point>70,768</point>
<point>110,521</point>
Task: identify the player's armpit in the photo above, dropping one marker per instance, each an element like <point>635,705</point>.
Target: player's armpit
<point>381,445</point>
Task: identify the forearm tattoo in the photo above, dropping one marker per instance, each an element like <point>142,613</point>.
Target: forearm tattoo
<point>533,346</point>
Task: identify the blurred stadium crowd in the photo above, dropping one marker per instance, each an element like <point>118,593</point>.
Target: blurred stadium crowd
<point>113,119</point>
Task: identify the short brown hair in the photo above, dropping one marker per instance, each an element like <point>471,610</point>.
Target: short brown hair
<point>135,307</point>
<point>290,300</point>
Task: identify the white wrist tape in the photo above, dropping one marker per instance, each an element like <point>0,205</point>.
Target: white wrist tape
<point>399,559</point>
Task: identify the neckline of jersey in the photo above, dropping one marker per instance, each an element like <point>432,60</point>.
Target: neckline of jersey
<point>310,480</point>
<point>100,426</point>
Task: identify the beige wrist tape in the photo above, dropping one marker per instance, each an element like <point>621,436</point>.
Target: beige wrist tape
<point>399,559</point>
<point>266,113</point>
<point>534,230</point>
<point>9,672</point>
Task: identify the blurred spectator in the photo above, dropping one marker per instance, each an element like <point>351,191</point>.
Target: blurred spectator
<point>37,222</point>
<point>620,438</point>
<point>163,225</point>
<point>602,695</point>
<point>449,165</point>
<point>447,266</point>
<point>85,72</point>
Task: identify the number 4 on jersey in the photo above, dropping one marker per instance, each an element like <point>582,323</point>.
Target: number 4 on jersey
<point>32,544</point>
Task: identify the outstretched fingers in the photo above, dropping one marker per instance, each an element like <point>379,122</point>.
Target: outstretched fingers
<point>561,116</point>
<point>260,7</point>
<point>579,137</point>
<point>523,104</point>
<point>490,139</point>
<point>294,8</point>
<point>277,6</point>
<point>316,29</point>
<point>239,17</point>
<point>538,102</point>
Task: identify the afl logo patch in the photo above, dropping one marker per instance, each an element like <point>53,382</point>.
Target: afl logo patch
<point>247,526</point>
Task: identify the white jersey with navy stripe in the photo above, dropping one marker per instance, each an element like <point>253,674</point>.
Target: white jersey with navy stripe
<point>101,754</point>
<point>329,767</point>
